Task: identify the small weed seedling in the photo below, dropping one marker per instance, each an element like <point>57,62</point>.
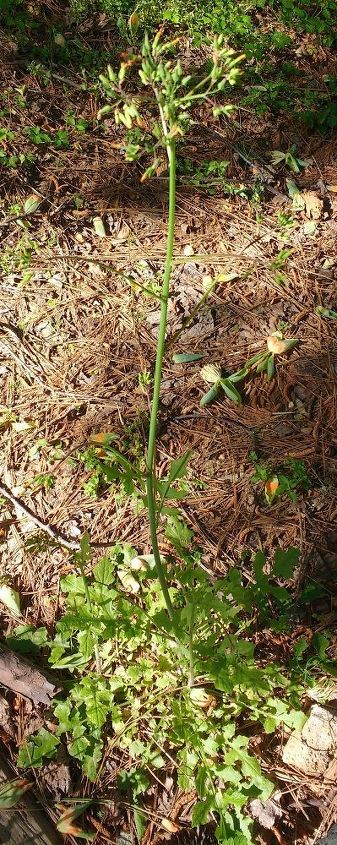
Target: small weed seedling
<point>289,478</point>
<point>290,159</point>
<point>326,312</point>
<point>262,362</point>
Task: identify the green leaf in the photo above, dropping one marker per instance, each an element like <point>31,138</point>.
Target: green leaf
<point>91,761</point>
<point>292,188</point>
<point>86,643</point>
<point>140,823</point>
<point>326,312</point>
<point>103,572</point>
<point>210,395</point>
<point>98,225</point>
<point>239,375</point>
<point>72,584</point>
<point>62,711</point>
<point>200,812</point>
<point>11,599</point>
<point>12,791</point>
<point>78,747</point>
<point>262,366</point>
<point>320,642</point>
<point>178,533</point>
<point>177,470</point>
<point>41,745</point>
<point>231,391</point>
<point>270,724</point>
<point>70,661</point>
<point>271,366</point>
<point>98,703</point>
<point>295,719</point>
<point>31,204</point>
<point>187,357</point>
<point>285,562</point>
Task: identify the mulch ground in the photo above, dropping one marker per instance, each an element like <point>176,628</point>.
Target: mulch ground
<point>74,335</point>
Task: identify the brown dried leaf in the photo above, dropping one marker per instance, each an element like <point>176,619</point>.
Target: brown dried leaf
<point>265,812</point>
<point>313,205</point>
<point>170,826</point>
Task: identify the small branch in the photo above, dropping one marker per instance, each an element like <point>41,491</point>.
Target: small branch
<point>58,537</point>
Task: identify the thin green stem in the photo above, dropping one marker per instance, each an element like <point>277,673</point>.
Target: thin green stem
<point>190,647</point>
<point>151,451</point>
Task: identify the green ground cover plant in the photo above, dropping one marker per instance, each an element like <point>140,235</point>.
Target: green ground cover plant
<point>269,32</point>
<point>136,699</point>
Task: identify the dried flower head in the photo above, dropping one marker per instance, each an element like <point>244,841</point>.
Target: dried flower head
<point>211,373</point>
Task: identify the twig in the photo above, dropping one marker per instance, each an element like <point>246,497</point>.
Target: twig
<point>67,81</point>
<point>58,538</point>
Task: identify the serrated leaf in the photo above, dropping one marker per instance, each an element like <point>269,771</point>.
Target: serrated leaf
<point>178,532</point>
<point>103,572</point>
<point>90,761</point>
<point>200,812</point>
<point>86,643</point>
<point>72,584</point>
<point>39,746</point>
<point>78,747</point>
<point>285,562</point>
<point>11,599</point>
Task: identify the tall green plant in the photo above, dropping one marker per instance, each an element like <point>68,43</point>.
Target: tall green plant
<point>155,123</point>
